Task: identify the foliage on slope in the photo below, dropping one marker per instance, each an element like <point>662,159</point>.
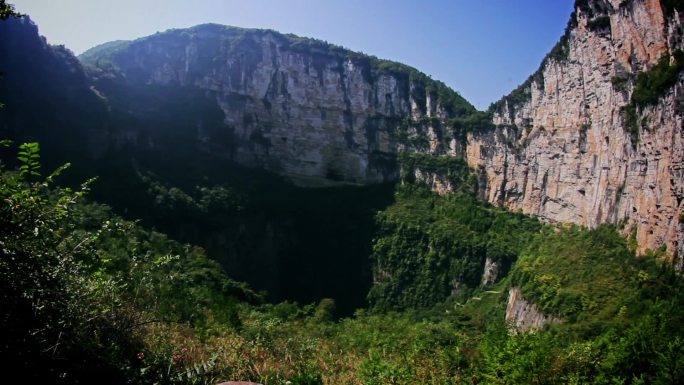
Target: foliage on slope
<point>80,285</point>
<point>265,231</point>
<point>620,314</point>
<point>451,169</point>
<point>429,246</point>
<point>589,276</point>
<point>90,297</point>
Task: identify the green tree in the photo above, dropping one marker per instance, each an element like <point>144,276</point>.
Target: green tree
<point>7,10</point>
<point>325,311</point>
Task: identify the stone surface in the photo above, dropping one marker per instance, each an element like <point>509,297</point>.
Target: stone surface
<point>294,106</point>
<point>522,316</point>
<point>490,272</point>
<point>561,153</point>
<point>571,158</point>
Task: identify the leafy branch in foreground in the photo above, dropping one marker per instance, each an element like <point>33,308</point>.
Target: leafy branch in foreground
<point>80,288</point>
<point>29,156</point>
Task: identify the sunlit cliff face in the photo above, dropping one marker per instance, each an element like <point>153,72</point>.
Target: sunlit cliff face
<point>564,151</point>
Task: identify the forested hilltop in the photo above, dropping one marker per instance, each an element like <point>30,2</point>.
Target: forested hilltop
<point>139,246</point>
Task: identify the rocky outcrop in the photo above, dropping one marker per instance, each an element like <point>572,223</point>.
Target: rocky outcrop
<point>563,148</point>
<point>522,316</point>
<point>299,107</point>
<point>490,272</point>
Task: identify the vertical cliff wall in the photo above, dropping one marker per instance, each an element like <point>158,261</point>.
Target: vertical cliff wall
<point>296,106</point>
<point>523,316</point>
<point>594,136</point>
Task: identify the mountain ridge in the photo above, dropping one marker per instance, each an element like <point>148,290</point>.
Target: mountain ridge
<point>268,84</point>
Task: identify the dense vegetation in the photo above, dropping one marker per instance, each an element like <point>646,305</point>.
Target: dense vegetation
<point>652,84</point>
<point>476,122</point>
<point>80,286</point>
<point>429,248</point>
<point>88,296</point>
<point>451,169</point>
<point>588,276</point>
<point>261,229</point>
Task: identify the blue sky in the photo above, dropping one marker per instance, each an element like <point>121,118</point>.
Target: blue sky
<point>481,48</point>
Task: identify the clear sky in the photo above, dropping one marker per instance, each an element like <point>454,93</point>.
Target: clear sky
<point>481,48</point>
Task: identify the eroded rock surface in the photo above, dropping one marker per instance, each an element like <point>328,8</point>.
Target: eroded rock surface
<point>295,106</point>
<point>523,316</point>
<point>563,150</point>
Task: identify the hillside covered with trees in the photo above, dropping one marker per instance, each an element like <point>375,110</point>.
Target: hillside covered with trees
<point>124,270</point>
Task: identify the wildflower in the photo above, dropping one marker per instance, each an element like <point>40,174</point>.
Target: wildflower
<point>177,358</point>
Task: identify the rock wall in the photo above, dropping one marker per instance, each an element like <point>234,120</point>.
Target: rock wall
<point>522,316</point>
<point>490,273</point>
<point>296,106</point>
<point>562,149</point>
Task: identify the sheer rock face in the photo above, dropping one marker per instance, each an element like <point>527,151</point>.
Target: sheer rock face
<point>523,316</point>
<point>490,272</point>
<point>564,153</point>
<point>295,111</point>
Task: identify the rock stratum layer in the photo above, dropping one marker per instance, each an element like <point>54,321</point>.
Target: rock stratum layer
<point>564,149</point>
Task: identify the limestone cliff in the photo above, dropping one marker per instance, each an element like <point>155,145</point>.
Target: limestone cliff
<point>523,316</point>
<point>296,106</point>
<point>573,143</point>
